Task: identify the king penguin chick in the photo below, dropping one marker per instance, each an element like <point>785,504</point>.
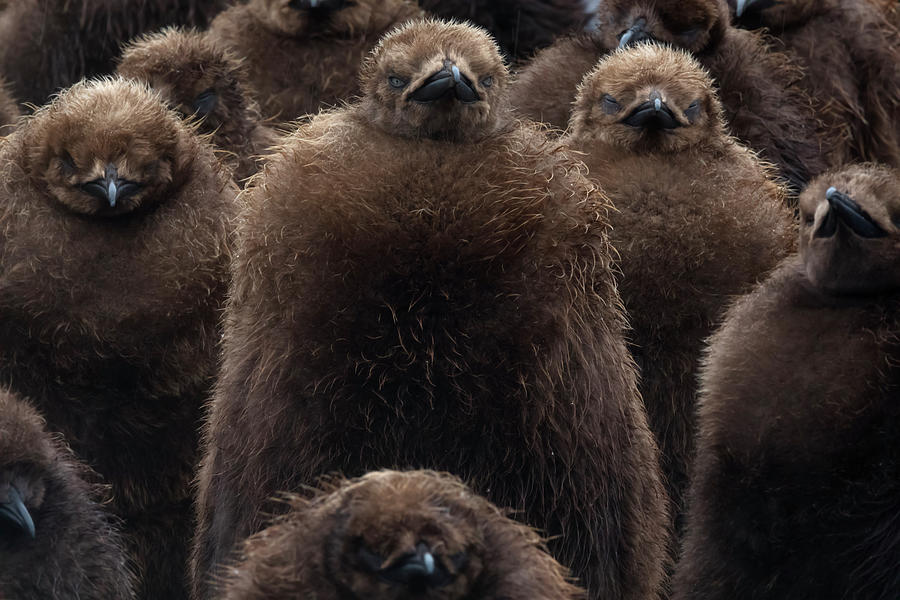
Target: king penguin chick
<point>115,250</point>
<point>56,542</point>
<point>797,476</point>
<point>850,55</point>
<point>520,26</point>
<point>764,106</point>
<point>305,54</point>
<point>199,79</point>
<point>397,536</point>
<point>9,110</point>
<point>49,45</point>
<point>697,221</point>
<point>423,282</point>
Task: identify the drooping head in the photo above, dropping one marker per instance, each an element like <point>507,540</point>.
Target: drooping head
<point>26,462</point>
<point>313,17</point>
<point>647,99</point>
<point>773,13</point>
<point>106,148</point>
<point>850,230</point>
<point>194,76</point>
<point>436,80</point>
<point>693,25</point>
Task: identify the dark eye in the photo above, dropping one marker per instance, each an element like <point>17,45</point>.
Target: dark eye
<point>692,111</point>
<point>809,219</point>
<point>609,104</point>
<point>691,32</point>
<point>67,162</point>
<point>205,102</point>
<point>487,81</point>
<point>397,83</point>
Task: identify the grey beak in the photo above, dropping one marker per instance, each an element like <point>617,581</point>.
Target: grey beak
<point>636,33</point>
<point>13,512</point>
<point>110,187</point>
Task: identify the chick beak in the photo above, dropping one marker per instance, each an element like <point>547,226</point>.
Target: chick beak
<point>110,187</point>
<point>842,208</point>
<point>636,33</point>
<point>13,513</point>
<point>448,82</point>
<point>323,5</point>
<point>654,114</point>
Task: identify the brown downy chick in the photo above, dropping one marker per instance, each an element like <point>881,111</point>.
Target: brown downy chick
<point>520,26</point>
<point>697,221</point>
<point>201,80</point>
<point>797,478</point>
<point>850,55</point>
<point>50,44</point>
<point>440,296</point>
<point>303,55</point>
<point>9,110</point>
<point>115,253</point>
<point>764,106</point>
<point>397,536</point>
<point>55,540</point>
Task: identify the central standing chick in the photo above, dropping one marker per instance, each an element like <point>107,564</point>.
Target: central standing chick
<point>423,282</point>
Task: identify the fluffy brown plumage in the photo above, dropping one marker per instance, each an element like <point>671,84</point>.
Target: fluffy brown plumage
<point>300,59</point>
<point>697,222</point>
<point>850,55</point>
<point>51,44</point>
<point>394,536</point>
<point>428,285</point>
<point>797,478</point>
<point>520,26</point>
<point>764,106</point>
<point>199,79</point>
<point>9,110</point>
<point>55,540</point>
<point>109,313</point>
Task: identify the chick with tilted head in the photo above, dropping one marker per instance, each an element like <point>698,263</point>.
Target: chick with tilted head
<point>796,481</point>
<point>424,282</point>
<point>764,105</point>
<point>205,82</point>
<point>303,55</point>
<point>697,222</point>
<point>115,249</point>
<point>56,540</point>
<point>393,535</point>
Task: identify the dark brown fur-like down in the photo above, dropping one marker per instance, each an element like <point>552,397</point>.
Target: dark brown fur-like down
<point>850,55</point>
<point>797,477</point>
<point>50,44</point>
<point>765,107</point>
<point>9,110</point>
<point>109,315</point>
<point>520,26</point>
<point>75,552</point>
<point>199,79</point>
<point>429,286</point>
<point>373,538</point>
<point>301,60</point>
<point>697,222</point>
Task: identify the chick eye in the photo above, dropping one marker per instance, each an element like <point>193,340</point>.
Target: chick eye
<point>67,162</point>
<point>692,111</point>
<point>609,104</point>
<point>809,219</point>
<point>691,32</point>
<point>205,102</point>
<point>487,81</point>
<point>396,82</point>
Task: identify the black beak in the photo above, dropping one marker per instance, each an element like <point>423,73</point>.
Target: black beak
<point>447,82</point>
<point>14,513</point>
<point>110,188</point>
<point>841,207</point>
<point>653,114</point>
<point>747,6</point>
<point>636,33</point>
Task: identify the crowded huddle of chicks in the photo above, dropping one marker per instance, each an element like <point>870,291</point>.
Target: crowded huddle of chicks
<point>449,299</point>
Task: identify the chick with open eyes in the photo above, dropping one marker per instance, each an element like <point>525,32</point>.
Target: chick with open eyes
<point>56,540</point>
<point>697,222</point>
<point>757,86</point>
<point>423,281</point>
<point>797,474</point>
<point>850,55</point>
<point>201,80</point>
<point>303,55</point>
<point>395,536</point>
<point>115,250</point>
